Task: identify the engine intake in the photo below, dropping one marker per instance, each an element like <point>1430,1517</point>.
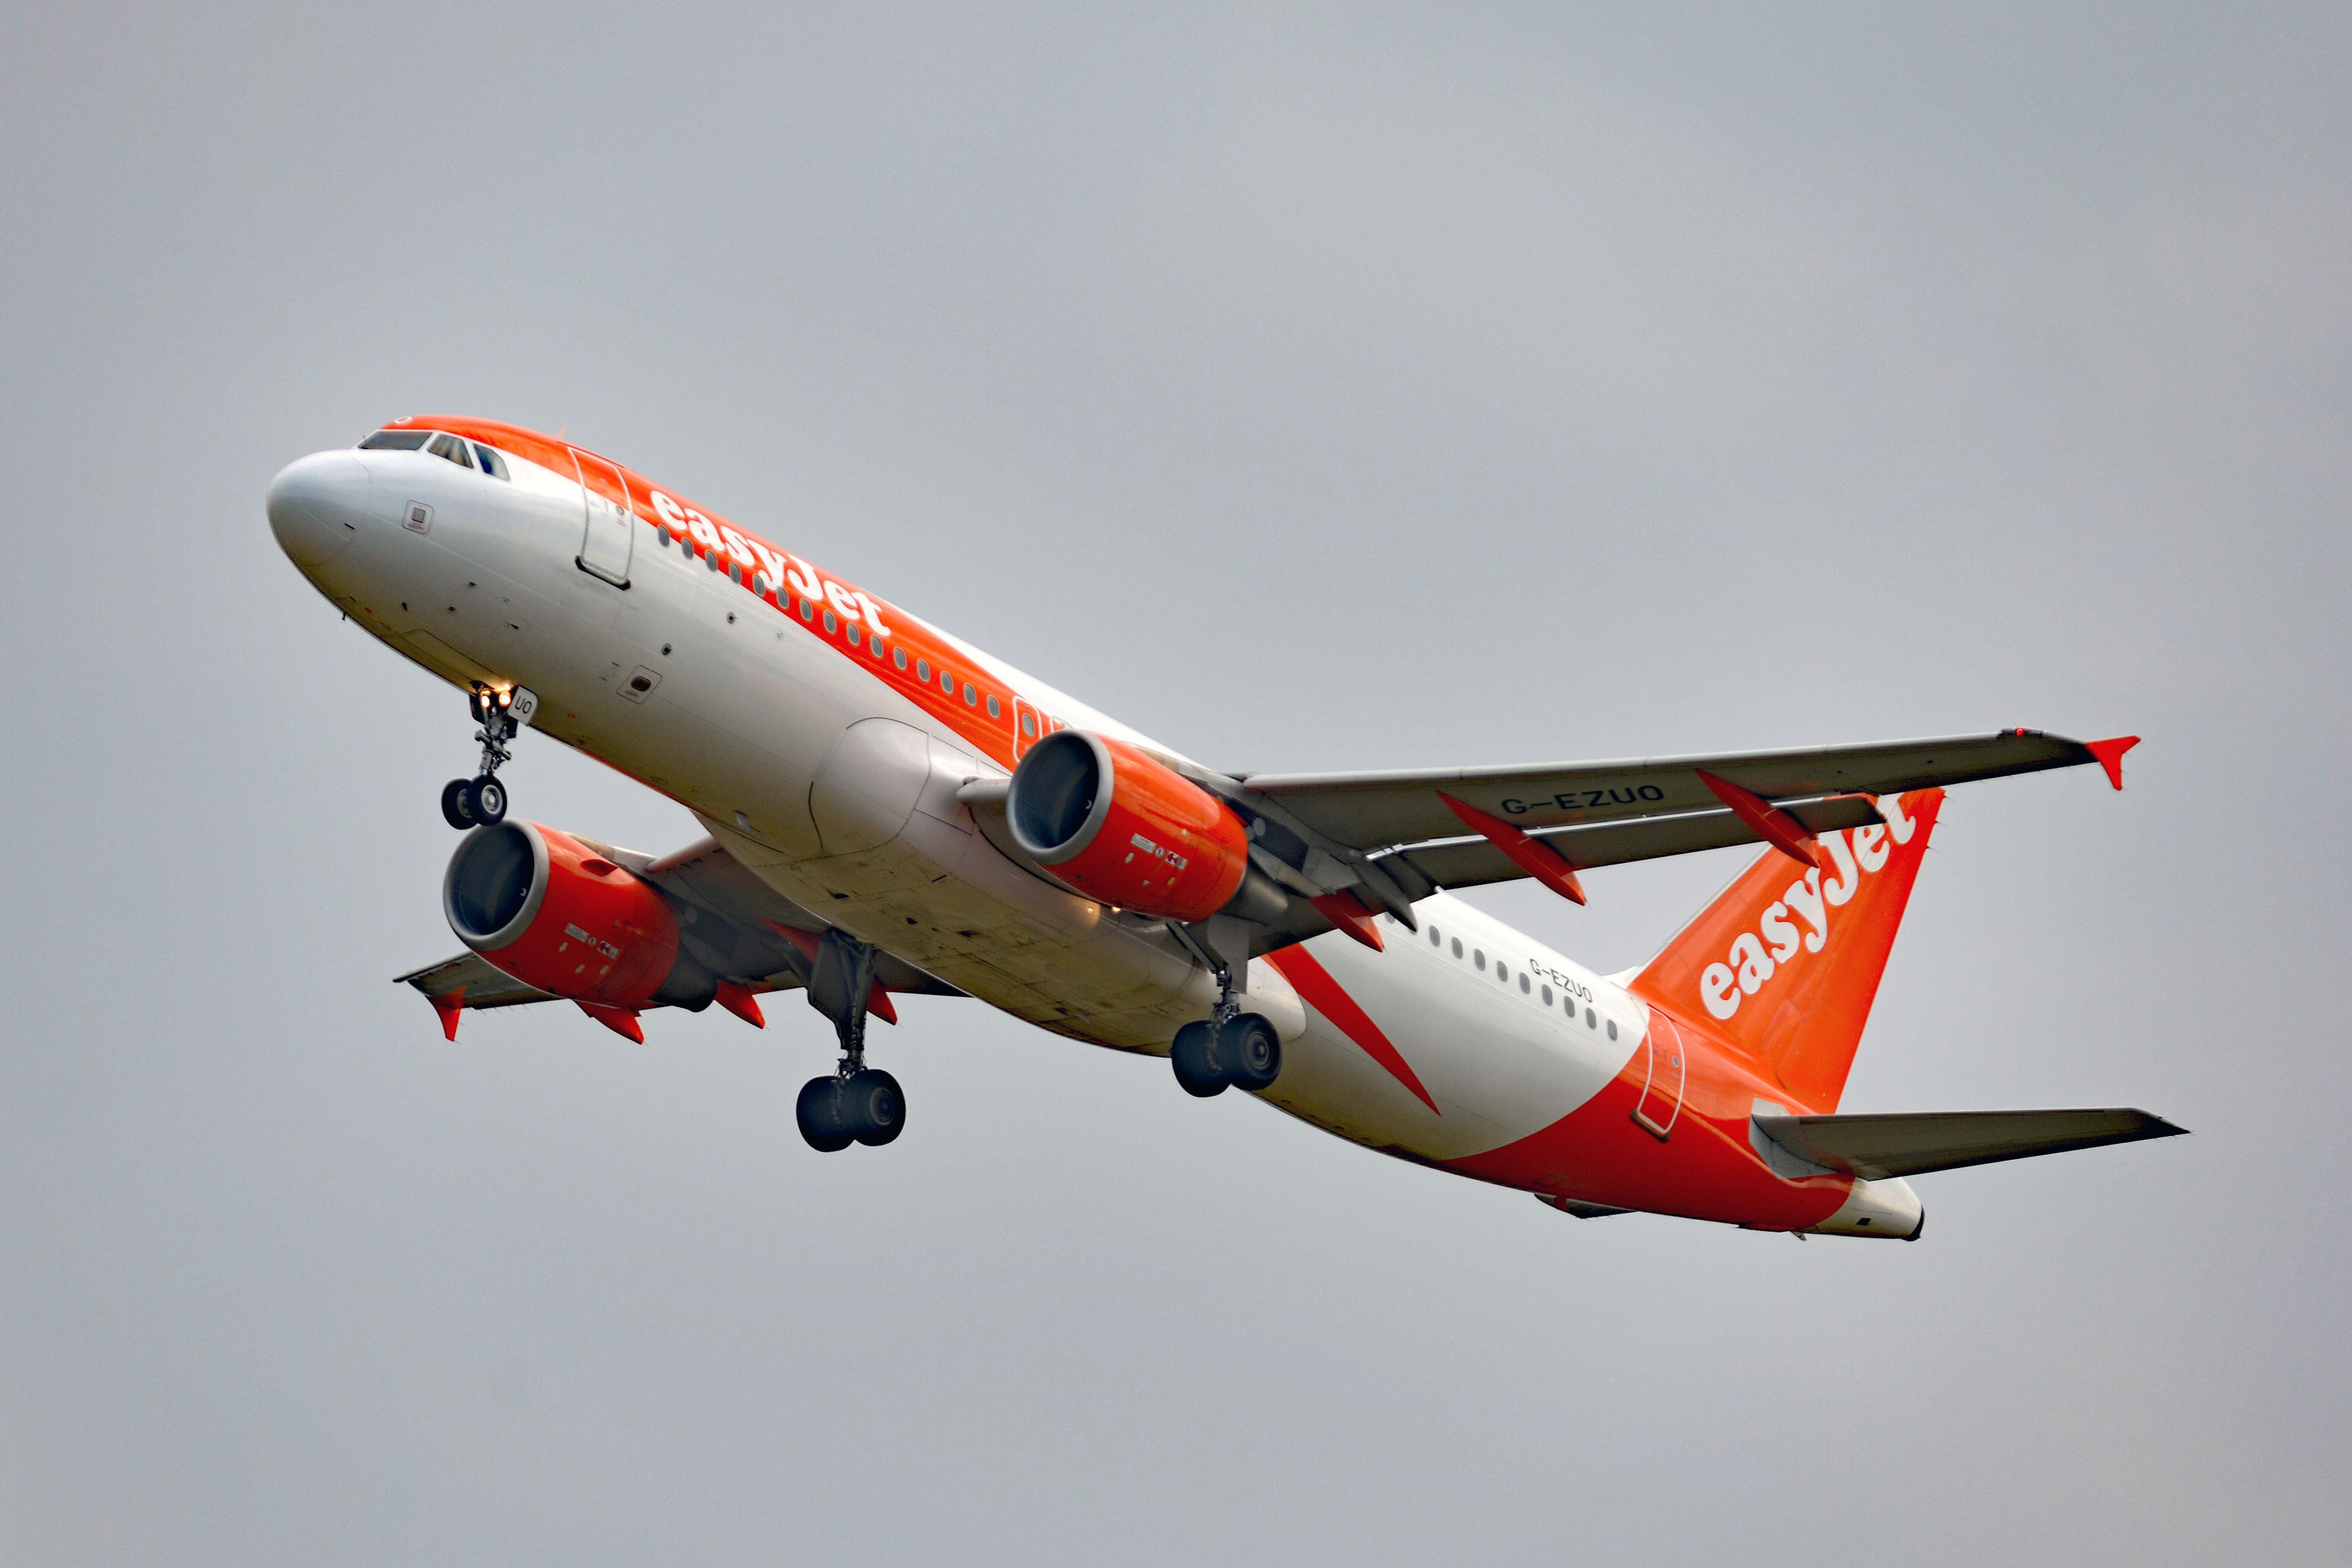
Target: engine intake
<point>1115,823</point>
<point>555,914</point>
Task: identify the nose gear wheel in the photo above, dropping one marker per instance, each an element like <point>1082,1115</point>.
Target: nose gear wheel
<point>481,801</point>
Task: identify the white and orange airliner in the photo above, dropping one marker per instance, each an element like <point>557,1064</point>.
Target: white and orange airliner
<point>889,810</point>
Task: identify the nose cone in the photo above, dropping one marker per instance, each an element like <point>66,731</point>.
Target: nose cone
<point>317,505</point>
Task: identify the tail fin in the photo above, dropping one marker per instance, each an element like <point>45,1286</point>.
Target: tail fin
<point>1784,967</point>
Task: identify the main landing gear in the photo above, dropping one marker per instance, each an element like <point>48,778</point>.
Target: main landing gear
<point>854,1104</point>
<point>481,801</point>
<point>1242,1051</point>
<point>1234,1049</point>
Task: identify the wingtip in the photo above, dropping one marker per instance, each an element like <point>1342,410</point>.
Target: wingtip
<point>2110,755</point>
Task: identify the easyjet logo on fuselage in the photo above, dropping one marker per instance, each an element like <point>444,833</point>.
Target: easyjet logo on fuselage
<point>1756,956</point>
<point>781,570</point>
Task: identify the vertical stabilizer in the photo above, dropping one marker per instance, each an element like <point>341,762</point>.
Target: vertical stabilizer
<point>1784,966</point>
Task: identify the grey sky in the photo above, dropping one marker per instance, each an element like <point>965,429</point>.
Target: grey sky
<point>1335,388</point>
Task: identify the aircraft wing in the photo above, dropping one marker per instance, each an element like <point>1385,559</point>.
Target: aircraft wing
<point>1378,810</point>
<point>1343,845</point>
<point>1875,1147</point>
<point>737,925</point>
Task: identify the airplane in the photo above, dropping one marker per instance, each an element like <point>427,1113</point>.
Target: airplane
<point>888,810</point>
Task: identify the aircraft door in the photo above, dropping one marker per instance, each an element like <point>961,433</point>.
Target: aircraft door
<point>1027,728</point>
<point>607,534</point>
<point>1661,1090</point>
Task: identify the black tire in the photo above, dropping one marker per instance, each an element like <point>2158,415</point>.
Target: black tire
<point>456,804</point>
<point>818,1112</point>
<point>488,797</point>
<point>1250,1052</point>
<point>874,1108</point>
<point>1196,1061</point>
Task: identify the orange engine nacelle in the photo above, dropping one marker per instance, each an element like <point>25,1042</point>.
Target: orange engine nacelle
<point>554,912</point>
<point>1115,824</point>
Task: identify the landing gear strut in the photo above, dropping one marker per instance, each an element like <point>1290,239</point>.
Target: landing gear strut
<point>1234,1049</point>
<point>854,1104</point>
<point>481,801</point>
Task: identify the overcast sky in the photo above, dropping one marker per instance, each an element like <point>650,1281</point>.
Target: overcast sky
<point>1320,389</point>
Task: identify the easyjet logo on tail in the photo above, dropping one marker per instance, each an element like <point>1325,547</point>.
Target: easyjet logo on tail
<point>1799,924</point>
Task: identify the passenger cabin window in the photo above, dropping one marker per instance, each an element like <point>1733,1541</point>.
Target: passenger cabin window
<point>396,441</point>
<point>452,449</point>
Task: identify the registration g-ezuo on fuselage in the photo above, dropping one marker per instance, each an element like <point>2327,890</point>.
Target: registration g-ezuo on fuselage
<point>890,810</point>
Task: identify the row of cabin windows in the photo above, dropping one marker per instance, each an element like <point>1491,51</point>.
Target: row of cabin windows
<point>469,454</point>
<point>855,635</point>
<point>1503,973</point>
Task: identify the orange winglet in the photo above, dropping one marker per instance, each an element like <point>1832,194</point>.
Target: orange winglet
<point>738,1001</point>
<point>448,1007</point>
<point>1768,821</point>
<point>620,1021</point>
<point>877,1002</point>
<point>1347,912</point>
<point>1533,856</point>
<point>2110,754</point>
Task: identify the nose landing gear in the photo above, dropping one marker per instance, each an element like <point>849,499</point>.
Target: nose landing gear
<point>854,1104</point>
<point>481,801</point>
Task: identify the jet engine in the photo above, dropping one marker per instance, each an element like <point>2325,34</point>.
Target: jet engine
<point>1112,823</point>
<point>555,912</point>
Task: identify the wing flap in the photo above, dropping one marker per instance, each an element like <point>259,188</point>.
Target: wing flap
<point>1470,863</point>
<point>1877,1148</point>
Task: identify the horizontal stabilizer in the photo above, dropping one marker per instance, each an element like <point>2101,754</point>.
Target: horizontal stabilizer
<point>1877,1148</point>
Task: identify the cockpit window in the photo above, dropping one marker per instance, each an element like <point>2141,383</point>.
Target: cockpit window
<point>450,447</point>
<point>454,448</point>
<point>396,441</point>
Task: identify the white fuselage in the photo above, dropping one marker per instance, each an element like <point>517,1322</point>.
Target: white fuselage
<point>823,777</point>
